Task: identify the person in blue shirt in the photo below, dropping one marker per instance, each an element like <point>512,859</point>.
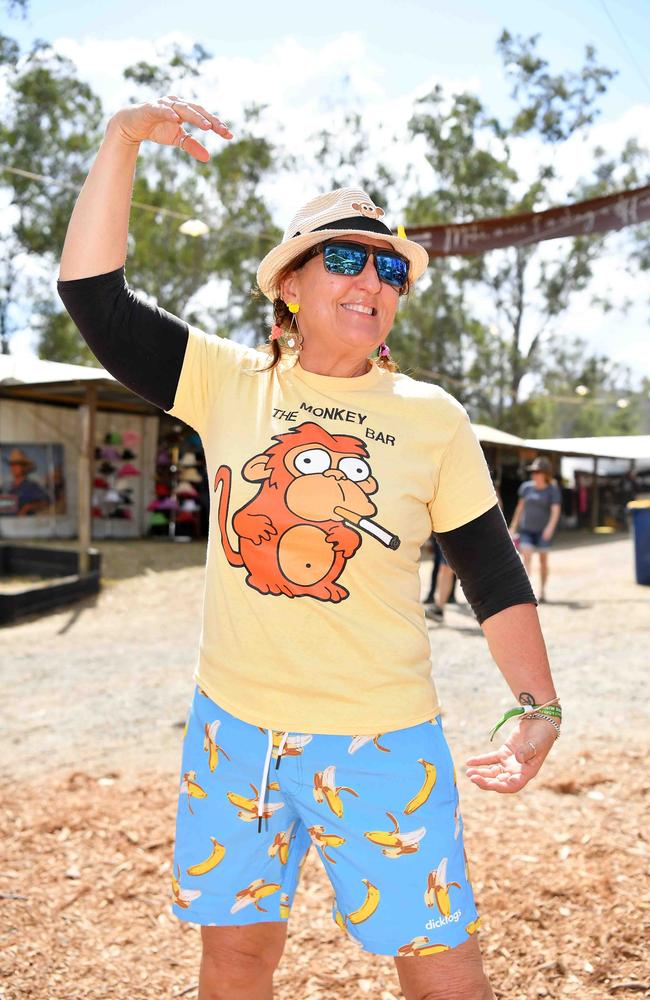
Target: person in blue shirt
<point>536,516</point>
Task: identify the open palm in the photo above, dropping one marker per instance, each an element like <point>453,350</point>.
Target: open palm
<point>511,766</point>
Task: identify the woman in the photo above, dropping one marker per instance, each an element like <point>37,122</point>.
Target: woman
<point>314,718</point>
<point>536,516</point>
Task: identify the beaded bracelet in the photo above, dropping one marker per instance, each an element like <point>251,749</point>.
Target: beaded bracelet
<point>539,715</point>
<point>537,711</point>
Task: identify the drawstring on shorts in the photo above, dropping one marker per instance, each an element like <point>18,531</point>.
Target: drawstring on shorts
<point>265,774</point>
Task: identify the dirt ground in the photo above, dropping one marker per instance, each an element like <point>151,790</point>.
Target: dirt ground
<point>93,704</point>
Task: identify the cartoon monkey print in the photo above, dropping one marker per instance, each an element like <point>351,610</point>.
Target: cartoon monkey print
<point>367,209</point>
<point>295,535</point>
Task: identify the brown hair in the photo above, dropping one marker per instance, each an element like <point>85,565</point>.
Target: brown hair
<point>282,317</point>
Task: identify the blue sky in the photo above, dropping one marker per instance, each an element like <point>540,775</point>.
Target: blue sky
<point>305,58</point>
<point>411,39</point>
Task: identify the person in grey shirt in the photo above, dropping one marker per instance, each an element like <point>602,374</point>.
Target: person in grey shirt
<point>536,516</point>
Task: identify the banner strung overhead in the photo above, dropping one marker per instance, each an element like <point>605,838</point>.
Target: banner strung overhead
<point>613,211</point>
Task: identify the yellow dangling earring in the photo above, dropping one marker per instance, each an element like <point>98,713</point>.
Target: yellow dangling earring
<point>293,339</point>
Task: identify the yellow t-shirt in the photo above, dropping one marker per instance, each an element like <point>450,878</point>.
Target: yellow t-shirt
<point>323,490</point>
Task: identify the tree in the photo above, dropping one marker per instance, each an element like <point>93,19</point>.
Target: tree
<point>52,125</point>
<point>517,294</point>
<point>605,401</point>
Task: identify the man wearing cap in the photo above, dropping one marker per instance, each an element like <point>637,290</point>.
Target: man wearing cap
<point>536,516</point>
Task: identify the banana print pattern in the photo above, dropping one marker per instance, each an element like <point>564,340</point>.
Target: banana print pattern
<point>347,796</point>
<point>395,843</point>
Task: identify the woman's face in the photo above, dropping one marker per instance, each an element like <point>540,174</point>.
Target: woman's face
<point>340,312</point>
<point>540,479</point>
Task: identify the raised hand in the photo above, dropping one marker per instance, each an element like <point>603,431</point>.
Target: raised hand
<point>162,122</point>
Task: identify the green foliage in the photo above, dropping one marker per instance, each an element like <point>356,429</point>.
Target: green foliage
<point>523,289</point>
<point>553,106</point>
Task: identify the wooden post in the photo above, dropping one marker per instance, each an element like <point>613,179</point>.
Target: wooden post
<point>594,495</point>
<point>87,412</point>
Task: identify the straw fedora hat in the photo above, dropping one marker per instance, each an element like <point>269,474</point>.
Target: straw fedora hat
<point>18,457</point>
<point>344,212</point>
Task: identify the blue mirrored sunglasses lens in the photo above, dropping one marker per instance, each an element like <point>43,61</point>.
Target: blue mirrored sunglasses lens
<point>392,269</point>
<point>344,260</point>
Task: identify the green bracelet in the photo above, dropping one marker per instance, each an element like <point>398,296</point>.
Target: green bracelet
<point>553,710</point>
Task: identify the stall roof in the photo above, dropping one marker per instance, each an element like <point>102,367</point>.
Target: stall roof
<point>490,435</point>
<point>52,382</point>
<point>14,368</point>
<point>630,446</point>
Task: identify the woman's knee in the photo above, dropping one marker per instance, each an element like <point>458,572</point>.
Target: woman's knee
<point>451,975</point>
<point>244,955</point>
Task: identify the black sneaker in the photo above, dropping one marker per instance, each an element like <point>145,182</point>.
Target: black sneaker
<point>435,613</point>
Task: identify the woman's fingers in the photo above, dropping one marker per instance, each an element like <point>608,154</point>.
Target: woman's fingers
<point>495,757</point>
<point>196,114</point>
<point>192,146</point>
<point>506,783</point>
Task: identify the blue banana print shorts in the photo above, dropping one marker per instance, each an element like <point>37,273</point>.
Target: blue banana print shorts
<point>382,811</point>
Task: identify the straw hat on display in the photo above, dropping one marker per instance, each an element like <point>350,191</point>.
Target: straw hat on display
<point>18,457</point>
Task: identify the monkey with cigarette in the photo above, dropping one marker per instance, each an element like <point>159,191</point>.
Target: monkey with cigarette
<point>298,531</point>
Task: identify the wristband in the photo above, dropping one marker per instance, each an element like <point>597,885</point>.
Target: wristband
<point>548,708</point>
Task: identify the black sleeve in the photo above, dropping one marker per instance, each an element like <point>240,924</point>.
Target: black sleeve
<point>485,560</point>
<point>141,345</point>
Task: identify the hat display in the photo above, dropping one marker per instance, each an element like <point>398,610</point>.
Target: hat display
<point>185,490</point>
<point>18,457</point>
<point>128,470</point>
<point>190,505</point>
<point>188,460</point>
<point>541,464</point>
<point>191,475</point>
<point>113,489</point>
<point>339,213</point>
<point>157,520</point>
<point>169,503</point>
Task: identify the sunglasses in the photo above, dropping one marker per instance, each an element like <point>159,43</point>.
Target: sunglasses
<point>343,257</point>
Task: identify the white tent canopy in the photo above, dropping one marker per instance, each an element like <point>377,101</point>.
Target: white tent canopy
<point>631,447</point>
<point>15,368</point>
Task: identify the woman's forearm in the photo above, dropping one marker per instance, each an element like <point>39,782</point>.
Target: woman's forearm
<point>96,240</point>
<point>556,510</point>
<point>514,523</point>
<point>518,649</point>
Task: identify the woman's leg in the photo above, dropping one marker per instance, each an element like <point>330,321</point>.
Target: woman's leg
<point>543,572</point>
<point>456,974</point>
<point>238,962</point>
<point>445,583</point>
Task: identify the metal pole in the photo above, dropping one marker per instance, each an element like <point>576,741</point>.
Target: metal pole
<point>87,413</point>
<point>594,495</point>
